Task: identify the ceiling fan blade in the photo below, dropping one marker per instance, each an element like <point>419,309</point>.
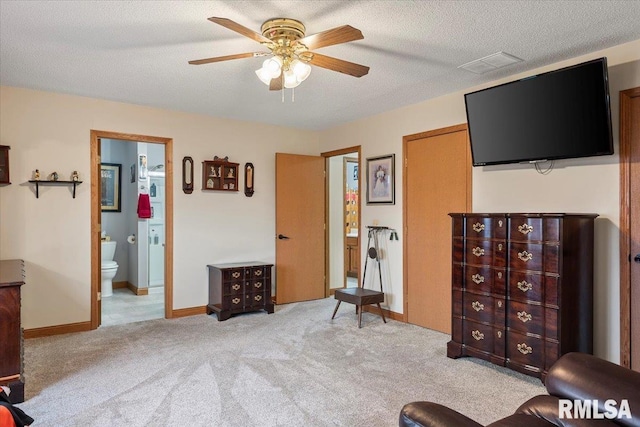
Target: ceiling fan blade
<point>276,84</point>
<point>338,65</point>
<point>234,26</point>
<point>337,35</point>
<point>226,58</point>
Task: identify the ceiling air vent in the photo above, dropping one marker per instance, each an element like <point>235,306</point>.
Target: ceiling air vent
<point>491,62</point>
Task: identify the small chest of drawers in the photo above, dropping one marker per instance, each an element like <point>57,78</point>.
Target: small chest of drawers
<point>522,288</point>
<point>239,288</point>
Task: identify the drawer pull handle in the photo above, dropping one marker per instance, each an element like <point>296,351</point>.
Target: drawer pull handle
<point>235,274</point>
<point>477,335</point>
<point>499,246</point>
<point>499,334</point>
<point>524,349</point>
<point>499,274</point>
<point>525,256</point>
<point>258,297</point>
<point>499,304</point>
<point>477,306</point>
<point>235,300</point>
<point>258,273</point>
<point>477,278</point>
<point>525,229</point>
<point>524,316</point>
<point>478,251</point>
<point>524,286</point>
<point>477,227</point>
<point>258,285</point>
<point>235,287</point>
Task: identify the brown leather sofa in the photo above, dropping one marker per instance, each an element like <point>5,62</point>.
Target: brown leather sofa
<point>575,376</point>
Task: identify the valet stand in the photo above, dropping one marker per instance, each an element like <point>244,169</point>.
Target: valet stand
<point>359,295</point>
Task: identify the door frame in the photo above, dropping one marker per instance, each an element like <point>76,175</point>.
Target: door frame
<point>327,155</point>
<point>625,224</point>
<point>405,141</point>
<point>96,219</point>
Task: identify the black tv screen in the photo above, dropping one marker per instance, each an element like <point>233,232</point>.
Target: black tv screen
<point>556,115</point>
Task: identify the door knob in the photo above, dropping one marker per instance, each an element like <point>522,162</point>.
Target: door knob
<point>282,237</point>
<point>637,258</point>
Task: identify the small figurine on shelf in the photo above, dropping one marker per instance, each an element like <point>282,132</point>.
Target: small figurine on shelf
<point>213,171</point>
<point>36,175</point>
<point>54,176</point>
<point>75,177</point>
<point>230,174</point>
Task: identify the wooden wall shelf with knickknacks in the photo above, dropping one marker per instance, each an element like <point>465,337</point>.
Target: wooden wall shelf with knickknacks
<point>219,175</point>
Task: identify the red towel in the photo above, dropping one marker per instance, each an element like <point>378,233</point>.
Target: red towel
<point>144,206</point>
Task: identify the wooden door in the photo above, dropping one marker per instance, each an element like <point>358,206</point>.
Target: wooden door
<point>437,182</point>
<point>630,228</point>
<point>299,228</point>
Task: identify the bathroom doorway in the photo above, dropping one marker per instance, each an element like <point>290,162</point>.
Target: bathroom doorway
<point>134,223</point>
<point>343,218</point>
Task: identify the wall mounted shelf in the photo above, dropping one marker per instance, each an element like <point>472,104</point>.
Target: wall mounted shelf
<point>38,183</point>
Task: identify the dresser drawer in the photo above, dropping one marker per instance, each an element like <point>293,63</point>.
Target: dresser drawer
<point>231,302</point>
<point>478,279</point>
<point>233,274</point>
<point>258,273</point>
<point>525,287</point>
<point>255,300</point>
<point>525,229</point>
<point>255,286</point>
<point>479,226</point>
<point>478,307</point>
<point>526,256</point>
<point>232,288</point>
<point>525,350</point>
<point>485,252</point>
<point>478,336</point>
<point>483,227</point>
<point>525,318</point>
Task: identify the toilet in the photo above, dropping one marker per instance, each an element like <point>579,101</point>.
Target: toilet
<point>109,267</point>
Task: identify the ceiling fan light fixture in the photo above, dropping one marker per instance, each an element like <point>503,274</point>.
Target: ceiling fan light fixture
<point>300,69</point>
<point>290,79</point>
<point>273,66</point>
<point>264,75</point>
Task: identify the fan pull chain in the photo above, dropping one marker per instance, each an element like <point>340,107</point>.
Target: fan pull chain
<point>283,94</point>
<point>293,95</point>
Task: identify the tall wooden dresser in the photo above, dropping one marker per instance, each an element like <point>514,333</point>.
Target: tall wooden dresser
<point>522,288</point>
<point>11,373</point>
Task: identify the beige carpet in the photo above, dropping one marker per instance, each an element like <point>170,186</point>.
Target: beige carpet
<point>295,367</point>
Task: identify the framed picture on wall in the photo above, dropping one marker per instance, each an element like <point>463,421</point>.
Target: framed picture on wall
<point>381,180</point>
<point>110,179</point>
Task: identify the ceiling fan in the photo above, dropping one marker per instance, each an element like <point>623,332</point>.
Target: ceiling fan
<point>290,51</point>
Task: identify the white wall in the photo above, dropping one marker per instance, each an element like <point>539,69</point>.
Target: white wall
<point>580,185</point>
<point>50,132</point>
<point>336,222</point>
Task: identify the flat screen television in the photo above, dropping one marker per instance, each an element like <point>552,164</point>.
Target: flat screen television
<point>556,115</point>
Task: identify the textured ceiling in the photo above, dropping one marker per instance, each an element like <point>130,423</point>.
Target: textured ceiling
<point>137,51</point>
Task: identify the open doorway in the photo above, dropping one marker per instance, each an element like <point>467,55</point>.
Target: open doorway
<point>132,249</point>
<point>134,165</point>
<point>343,218</point>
